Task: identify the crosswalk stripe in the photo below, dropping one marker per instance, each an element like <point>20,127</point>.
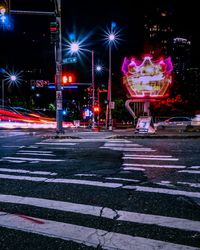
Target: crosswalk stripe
<point>163,191</point>
<point>32,159</point>
<point>85,235</point>
<point>148,158</point>
<point>105,212</point>
<point>57,143</point>
<point>146,155</point>
<point>189,171</point>
<point>152,165</point>
<point>9,170</point>
<point>63,181</point>
<point>39,154</point>
<point>130,149</point>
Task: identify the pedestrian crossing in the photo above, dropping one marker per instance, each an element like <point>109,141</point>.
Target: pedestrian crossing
<point>86,216</point>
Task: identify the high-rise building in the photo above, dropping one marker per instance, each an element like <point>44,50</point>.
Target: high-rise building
<point>158,31</point>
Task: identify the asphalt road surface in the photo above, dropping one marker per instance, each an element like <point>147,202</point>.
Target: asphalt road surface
<point>98,193</point>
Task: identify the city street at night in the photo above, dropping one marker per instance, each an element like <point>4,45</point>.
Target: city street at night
<point>91,190</point>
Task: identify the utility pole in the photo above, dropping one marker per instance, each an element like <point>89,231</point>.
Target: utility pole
<point>58,76</point>
<point>58,56</point>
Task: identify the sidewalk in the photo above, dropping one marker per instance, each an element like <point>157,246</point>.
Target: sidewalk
<point>83,133</point>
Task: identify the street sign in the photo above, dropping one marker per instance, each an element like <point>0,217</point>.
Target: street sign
<point>69,60</point>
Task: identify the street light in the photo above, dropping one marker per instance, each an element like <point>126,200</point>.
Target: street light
<point>74,48</point>
<point>11,79</point>
<point>111,39</point>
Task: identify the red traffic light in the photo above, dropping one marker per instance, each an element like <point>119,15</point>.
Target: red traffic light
<point>68,78</point>
<point>96,109</point>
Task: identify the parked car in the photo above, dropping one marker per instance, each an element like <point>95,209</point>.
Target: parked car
<point>174,122</point>
<point>196,120</point>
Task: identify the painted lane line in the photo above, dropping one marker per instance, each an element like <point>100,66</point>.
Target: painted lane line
<point>130,149</point>
<point>11,146</point>
<point>152,165</point>
<point>163,191</point>
<point>56,143</point>
<point>31,159</point>
<point>22,171</point>
<point>39,154</point>
<point>105,212</point>
<point>16,161</point>
<point>189,171</point>
<point>85,175</point>
<point>121,179</point>
<point>196,185</point>
<point>63,181</point>
<point>148,158</point>
<point>133,169</point>
<point>195,167</point>
<point>84,235</point>
<point>35,151</point>
<point>121,144</point>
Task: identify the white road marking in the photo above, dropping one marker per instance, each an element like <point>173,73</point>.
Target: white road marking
<point>121,179</point>
<point>36,151</point>
<point>39,154</point>
<point>189,171</point>
<point>63,181</point>
<point>195,167</point>
<point>133,169</point>
<point>31,159</point>
<point>148,158</point>
<point>57,143</point>
<point>105,212</point>
<point>85,235</point>
<point>22,171</point>
<point>152,165</point>
<point>130,149</point>
<point>163,191</point>
<point>108,144</point>
<point>196,185</point>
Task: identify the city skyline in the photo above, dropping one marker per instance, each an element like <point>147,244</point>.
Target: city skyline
<point>29,41</point>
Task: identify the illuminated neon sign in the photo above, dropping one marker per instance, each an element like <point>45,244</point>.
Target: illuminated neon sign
<point>147,78</point>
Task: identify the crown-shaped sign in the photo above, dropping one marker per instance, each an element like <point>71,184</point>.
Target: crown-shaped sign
<point>147,78</point>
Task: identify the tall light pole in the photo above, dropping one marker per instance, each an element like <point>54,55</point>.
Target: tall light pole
<point>10,78</point>
<point>74,48</point>
<point>93,90</point>
<point>111,38</point>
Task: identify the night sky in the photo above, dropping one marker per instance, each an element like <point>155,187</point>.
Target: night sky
<point>27,44</point>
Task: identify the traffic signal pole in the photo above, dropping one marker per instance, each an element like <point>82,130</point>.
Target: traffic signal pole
<point>58,57</point>
<point>58,76</point>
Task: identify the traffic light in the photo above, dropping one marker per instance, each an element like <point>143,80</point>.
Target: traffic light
<point>96,109</point>
<point>68,78</point>
<point>54,31</point>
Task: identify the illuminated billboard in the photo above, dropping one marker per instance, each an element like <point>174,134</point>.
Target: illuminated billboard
<point>147,78</point>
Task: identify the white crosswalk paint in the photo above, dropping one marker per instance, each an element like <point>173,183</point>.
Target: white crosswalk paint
<point>189,171</point>
<point>148,158</point>
<point>163,191</point>
<point>196,185</point>
<point>63,181</point>
<point>130,149</point>
<point>22,171</point>
<point>36,151</point>
<point>152,165</point>
<point>85,235</point>
<point>57,143</point>
<point>120,144</point>
<point>133,169</point>
<point>146,155</point>
<point>32,159</point>
<point>39,154</point>
<point>105,212</point>
<point>121,179</point>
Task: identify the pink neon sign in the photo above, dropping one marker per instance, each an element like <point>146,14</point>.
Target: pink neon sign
<point>147,78</point>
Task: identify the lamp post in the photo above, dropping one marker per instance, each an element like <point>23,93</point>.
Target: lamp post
<point>74,48</point>
<point>2,93</point>
<point>111,39</point>
<point>10,78</point>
